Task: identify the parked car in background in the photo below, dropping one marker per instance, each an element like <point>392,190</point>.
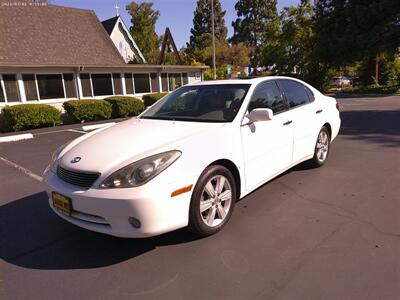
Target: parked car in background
<point>188,158</point>
<point>355,81</point>
<point>341,81</point>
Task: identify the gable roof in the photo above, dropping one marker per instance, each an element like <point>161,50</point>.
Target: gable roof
<point>109,24</point>
<point>117,21</point>
<point>54,35</point>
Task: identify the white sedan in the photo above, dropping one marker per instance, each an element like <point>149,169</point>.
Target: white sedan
<point>187,159</point>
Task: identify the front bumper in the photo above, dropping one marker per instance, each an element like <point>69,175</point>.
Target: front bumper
<point>108,210</point>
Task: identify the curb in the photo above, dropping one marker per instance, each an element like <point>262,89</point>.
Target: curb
<point>97,126</point>
<point>17,137</point>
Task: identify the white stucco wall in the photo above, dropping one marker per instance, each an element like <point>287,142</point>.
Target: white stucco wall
<point>122,45</point>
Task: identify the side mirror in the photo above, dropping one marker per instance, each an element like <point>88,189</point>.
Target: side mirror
<point>258,115</point>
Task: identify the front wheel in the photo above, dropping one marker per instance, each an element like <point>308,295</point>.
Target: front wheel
<point>322,148</point>
<point>213,200</point>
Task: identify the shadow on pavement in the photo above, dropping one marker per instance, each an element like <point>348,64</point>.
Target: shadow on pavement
<point>380,127</point>
<point>32,236</point>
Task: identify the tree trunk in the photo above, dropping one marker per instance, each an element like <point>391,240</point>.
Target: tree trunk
<point>377,68</point>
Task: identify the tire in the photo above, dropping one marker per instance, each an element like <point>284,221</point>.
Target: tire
<point>322,147</point>
<point>219,202</point>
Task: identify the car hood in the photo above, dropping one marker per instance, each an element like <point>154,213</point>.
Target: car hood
<point>127,142</point>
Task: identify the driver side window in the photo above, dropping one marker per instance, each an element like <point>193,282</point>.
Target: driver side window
<point>267,95</point>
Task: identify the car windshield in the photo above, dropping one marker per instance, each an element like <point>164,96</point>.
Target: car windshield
<point>200,103</point>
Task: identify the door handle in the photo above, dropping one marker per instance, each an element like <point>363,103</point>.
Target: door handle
<point>287,122</point>
<point>318,111</point>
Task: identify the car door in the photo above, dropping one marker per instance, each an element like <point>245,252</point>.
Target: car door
<point>304,114</point>
<point>267,145</point>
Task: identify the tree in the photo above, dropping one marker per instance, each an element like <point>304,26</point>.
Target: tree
<point>202,21</point>
<point>143,19</point>
<point>201,33</point>
<point>236,55</point>
<point>257,22</point>
<point>357,30</point>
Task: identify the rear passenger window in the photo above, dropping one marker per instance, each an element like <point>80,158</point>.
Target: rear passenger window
<point>310,94</point>
<point>296,93</point>
<point>267,95</point>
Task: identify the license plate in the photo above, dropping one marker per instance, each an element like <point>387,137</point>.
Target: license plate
<point>62,203</point>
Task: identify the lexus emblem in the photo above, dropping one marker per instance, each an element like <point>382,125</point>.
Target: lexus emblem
<point>75,160</point>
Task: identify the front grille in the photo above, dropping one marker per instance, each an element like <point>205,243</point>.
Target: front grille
<point>81,179</point>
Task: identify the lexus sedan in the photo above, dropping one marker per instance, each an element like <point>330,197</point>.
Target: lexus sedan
<point>187,159</point>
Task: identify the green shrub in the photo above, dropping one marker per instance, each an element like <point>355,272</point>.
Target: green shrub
<point>29,116</point>
<point>371,89</point>
<point>87,110</point>
<point>124,106</point>
<point>150,99</point>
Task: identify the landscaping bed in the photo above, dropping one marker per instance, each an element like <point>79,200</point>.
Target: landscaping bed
<point>30,116</point>
<point>372,90</point>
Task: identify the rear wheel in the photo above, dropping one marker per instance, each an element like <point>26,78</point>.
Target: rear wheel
<point>212,202</point>
<point>322,147</point>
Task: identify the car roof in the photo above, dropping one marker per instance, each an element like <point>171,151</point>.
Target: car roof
<point>241,81</point>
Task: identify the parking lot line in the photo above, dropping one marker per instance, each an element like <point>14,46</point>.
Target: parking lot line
<point>58,131</point>
<point>76,130</point>
<point>14,138</point>
<point>97,126</point>
<point>22,169</point>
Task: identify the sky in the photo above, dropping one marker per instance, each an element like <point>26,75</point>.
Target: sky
<point>175,14</point>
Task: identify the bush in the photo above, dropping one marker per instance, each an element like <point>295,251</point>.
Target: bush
<point>29,116</point>
<point>371,89</point>
<point>87,110</point>
<point>150,99</point>
<point>124,106</point>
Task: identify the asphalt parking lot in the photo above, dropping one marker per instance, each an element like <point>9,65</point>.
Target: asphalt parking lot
<point>327,233</point>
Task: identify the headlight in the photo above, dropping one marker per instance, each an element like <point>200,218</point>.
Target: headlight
<point>140,172</point>
<point>53,162</point>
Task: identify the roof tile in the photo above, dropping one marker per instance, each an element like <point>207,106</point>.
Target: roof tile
<point>54,35</point>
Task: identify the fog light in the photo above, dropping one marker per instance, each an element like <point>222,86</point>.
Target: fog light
<point>134,222</point>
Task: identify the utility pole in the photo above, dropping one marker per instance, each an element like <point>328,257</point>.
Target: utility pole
<point>213,39</point>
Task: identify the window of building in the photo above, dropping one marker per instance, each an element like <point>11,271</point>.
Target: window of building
<point>164,82</point>
<point>50,86</point>
<point>267,95</point>
<point>2,98</point>
<point>155,85</point>
<point>102,84</point>
<point>11,87</point>
<point>142,83</point>
<point>128,83</point>
<point>117,83</point>
<point>86,86</point>
<point>175,81</point>
<point>30,87</point>
<point>295,92</point>
<point>70,87</point>
<point>185,78</point>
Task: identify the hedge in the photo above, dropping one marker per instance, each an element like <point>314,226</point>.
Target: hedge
<point>87,110</point>
<point>371,89</point>
<point>124,106</point>
<point>29,116</point>
<point>150,99</point>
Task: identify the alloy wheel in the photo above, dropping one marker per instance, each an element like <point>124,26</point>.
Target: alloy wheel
<point>216,201</point>
<point>322,147</point>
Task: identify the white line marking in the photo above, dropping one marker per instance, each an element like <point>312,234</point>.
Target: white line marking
<point>92,127</point>
<point>76,130</point>
<point>57,131</point>
<point>22,169</point>
<point>14,138</point>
